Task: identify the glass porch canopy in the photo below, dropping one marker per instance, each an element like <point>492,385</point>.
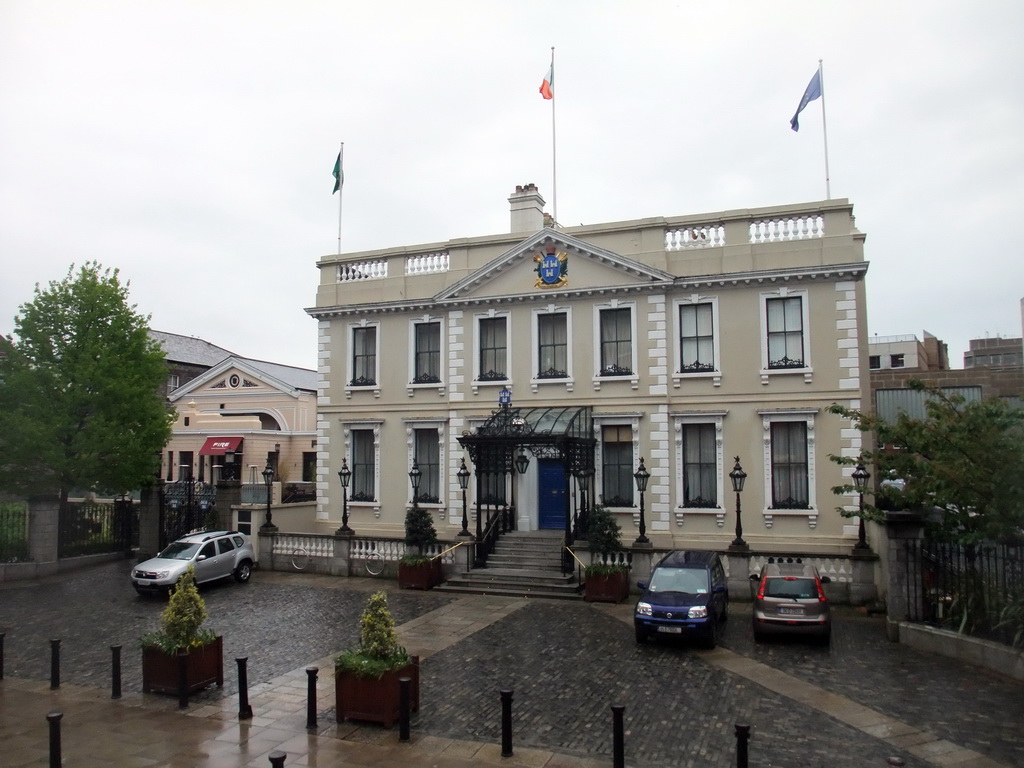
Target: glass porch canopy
<point>561,432</point>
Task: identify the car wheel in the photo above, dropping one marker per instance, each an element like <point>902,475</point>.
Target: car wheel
<point>641,635</point>
<point>243,572</point>
<point>758,636</point>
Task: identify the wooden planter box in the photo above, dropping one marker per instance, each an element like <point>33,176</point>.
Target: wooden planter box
<point>423,576</point>
<point>607,588</point>
<point>375,699</point>
<point>205,667</point>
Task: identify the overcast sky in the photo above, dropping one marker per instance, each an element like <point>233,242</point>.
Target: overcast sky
<point>190,144</point>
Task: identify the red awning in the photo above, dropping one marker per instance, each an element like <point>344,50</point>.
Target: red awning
<point>218,446</point>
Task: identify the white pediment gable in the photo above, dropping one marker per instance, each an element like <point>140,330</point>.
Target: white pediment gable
<point>551,260</point>
<point>235,378</point>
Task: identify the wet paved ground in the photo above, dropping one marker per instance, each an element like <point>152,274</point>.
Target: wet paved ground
<point>567,663</point>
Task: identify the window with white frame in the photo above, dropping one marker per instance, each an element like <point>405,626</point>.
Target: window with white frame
<point>700,457</point>
<point>697,337</point>
<point>785,325</point>
<point>364,465</point>
<point>615,341</point>
<point>364,356</point>
<point>790,465</point>
<point>492,348</point>
<point>617,465</point>
<point>426,352</point>
<point>552,345</point>
<point>427,453</point>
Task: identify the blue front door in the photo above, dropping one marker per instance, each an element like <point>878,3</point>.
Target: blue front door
<point>552,502</point>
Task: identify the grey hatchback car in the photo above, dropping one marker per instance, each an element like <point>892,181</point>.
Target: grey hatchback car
<point>789,599</point>
<point>214,554</point>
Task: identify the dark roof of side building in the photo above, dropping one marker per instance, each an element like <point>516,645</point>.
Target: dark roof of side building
<point>189,349</point>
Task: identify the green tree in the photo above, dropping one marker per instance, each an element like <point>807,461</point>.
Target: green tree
<point>80,405</point>
<point>963,461</point>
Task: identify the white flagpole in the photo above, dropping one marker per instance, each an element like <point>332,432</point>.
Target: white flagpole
<point>341,188</point>
<point>554,165</point>
<point>824,130</point>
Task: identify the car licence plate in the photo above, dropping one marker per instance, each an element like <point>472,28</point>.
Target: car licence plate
<point>791,611</point>
<point>671,630</point>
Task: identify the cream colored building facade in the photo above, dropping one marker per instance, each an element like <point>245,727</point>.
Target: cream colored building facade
<point>684,341</point>
<point>237,417</point>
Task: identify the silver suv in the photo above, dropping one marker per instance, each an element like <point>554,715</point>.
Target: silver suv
<point>789,599</point>
<point>214,554</point>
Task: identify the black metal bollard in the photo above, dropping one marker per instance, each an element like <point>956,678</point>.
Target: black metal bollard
<point>115,671</point>
<point>277,758</point>
<point>506,723</point>
<point>54,720</point>
<point>182,679</point>
<point>244,710</point>
<point>618,737</point>
<point>742,737</point>
<point>55,664</point>
<point>403,708</point>
<point>2,655</point>
<point>311,696</point>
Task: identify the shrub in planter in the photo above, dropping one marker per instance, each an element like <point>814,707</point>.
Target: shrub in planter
<point>366,678</point>
<point>417,570</point>
<point>604,582</point>
<point>182,631</point>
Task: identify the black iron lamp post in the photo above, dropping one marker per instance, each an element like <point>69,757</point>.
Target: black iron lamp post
<point>344,474</point>
<point>414,477</point>
<point>642,476</point>
<point>738,477</point>
<point>463,477</point>
<point>268,479</point>
<point>860,482</point>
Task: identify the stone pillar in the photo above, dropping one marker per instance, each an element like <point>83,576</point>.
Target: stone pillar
<point>342,560</point>
<point>265,552</point>
<point>643,564</point>
<point>902,598</point>
<point>149,522</point>
<point>43,532</point>
<point>738,563</point>
<point>863,589</point>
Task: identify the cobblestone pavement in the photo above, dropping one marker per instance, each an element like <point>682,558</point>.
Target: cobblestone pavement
<point>566,662</point>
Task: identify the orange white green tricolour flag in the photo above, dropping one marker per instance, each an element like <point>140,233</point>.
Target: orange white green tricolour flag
<point>547,88</point>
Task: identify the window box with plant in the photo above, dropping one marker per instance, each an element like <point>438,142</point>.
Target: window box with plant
<point>367,678</point>
<point>605,582</point>
<point>182,633</point>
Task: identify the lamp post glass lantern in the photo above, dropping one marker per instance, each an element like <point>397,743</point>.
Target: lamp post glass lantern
<point>860,482</point>
<point>268,480</point>
<point>738,477</point>
<point>522,462</point>
<point>463,477</point>
<point>641,476</point>
<point>414,478</point>
<point>345,475</point>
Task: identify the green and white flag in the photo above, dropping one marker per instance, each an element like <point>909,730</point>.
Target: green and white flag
<point>339,174</point>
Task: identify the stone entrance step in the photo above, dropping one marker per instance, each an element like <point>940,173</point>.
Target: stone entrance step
<point>523,565</point>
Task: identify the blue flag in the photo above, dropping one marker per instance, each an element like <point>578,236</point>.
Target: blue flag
<point>813,92</point>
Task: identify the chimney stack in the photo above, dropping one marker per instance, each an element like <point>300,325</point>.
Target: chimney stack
<point>527,209</point>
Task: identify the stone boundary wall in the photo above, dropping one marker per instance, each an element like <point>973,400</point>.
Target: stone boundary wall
<point>981,653</point>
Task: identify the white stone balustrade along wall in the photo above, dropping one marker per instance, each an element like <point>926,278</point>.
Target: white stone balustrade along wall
<point>792,228</point>
<point>426,263</point>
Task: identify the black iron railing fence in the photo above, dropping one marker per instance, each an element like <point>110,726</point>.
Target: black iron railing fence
<point>93,528</point>
<point>13,532</point>
<point>974,589</point>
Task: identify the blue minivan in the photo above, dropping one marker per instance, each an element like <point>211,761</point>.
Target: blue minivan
<point>687,596</point>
